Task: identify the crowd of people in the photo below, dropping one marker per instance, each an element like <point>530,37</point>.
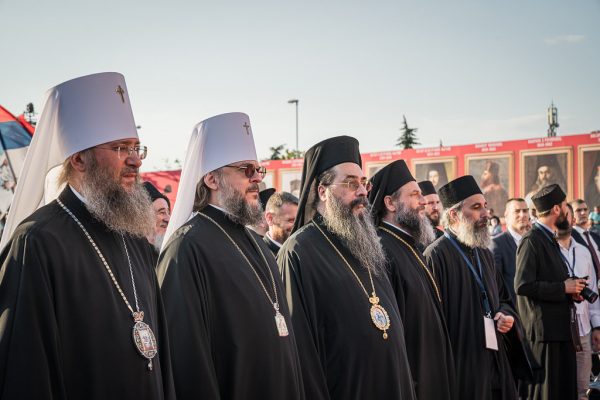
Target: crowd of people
<point>358,288</point>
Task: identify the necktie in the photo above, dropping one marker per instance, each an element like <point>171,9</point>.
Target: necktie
<point>593,251</point>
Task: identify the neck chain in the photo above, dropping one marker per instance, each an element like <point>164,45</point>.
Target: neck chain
<point>429,275</point>
<point>379,315</point>
<point>279,318</point>
<point>143,336</point>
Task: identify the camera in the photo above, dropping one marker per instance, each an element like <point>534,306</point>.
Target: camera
<point>588,294</point>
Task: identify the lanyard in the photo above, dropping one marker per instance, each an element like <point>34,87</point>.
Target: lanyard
<point>478,277</point>
<point>555,243</point>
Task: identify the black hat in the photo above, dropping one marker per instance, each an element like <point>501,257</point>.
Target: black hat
<point>427,188</point>
<point>385,182</point>
<point>265,195</point>
<point>318,159</point>
<point>548,197</point>
<point>154,193</point>
<point>457,190</point>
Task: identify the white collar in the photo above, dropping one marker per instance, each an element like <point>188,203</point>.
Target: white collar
<point>546,227</point>
<point>397,227</point>
<point>580,229</point>
<point>79,195</point>
<point>272,240</point>
<point>515,235</point>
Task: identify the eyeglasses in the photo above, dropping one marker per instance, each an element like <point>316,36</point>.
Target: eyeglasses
<point>126,151</point>
<point>355,184</point>
<point>250,170</point>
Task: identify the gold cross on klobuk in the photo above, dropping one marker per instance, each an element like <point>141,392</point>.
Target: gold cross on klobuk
<point>120,92</point>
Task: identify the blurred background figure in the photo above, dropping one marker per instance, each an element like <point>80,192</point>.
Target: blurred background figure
<point>495,227</point>
<point>262,227</point>
<point>280,214</point>
<point>162,211</point>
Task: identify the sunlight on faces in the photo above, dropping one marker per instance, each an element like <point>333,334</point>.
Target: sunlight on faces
<point>114,193</point>
<point>581,214</point>
<point>410,213</point>
<point>433,208</point>
<point>282,222</point>
<point>470,222</point>
<point>126,168</point>
<point>516,216</point>
<point>346,214</point>
<point>161,211</point>
<point>238,194</point>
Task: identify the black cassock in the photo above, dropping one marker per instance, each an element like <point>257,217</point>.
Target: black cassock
<point>343,355</point>
<point>481,374</point>
<point>68,332</point>
<point>427,341</point>
<point>224,340</point>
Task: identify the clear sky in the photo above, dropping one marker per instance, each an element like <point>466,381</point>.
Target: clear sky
<point>461,71</point>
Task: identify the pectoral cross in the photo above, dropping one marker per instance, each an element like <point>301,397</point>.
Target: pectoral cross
<point>246,125</point>
<point>120,92</point>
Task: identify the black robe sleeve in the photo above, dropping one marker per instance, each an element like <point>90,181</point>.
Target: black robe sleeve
<point>187,309</point>
<point>308,334</point>
<point>29,340</point>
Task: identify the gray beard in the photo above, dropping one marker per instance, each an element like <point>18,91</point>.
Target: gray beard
<point>158,240</point>
<point>420,228</point>
<point>357,232</point>
<point>121,211</point>
<point>470,235</point>
<point>239,210</point>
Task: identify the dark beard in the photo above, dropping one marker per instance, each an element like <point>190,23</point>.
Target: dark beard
<point>239,210</point>
<point>121,211</point>
<point>357,232</point>
<point>562,222</point>
<point>472,235</point>
<point>420,228</point>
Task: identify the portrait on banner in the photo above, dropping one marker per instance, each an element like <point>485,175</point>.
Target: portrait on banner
<point>542,168</point>
<point>589,175</point>
<point>494,174</point>
<point>290,180</point>
<point>438,171</point>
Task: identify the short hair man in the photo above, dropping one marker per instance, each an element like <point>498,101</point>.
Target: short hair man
<point>262,227</point>
<point>343,306</point>
<point>229,326</point>
<point>398,208</point>
<point>477,312</point>
<point>504,246</point>
<point>433,206</point>
<point>579,262</point>
<point>280,214</point>
<point>82,315</point>
<point>545,295</point>
<point>161,205</point>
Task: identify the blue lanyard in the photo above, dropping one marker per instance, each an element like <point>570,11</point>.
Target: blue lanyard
<point>478,277</point>
<point>555,243</point>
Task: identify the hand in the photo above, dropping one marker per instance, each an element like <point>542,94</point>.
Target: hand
<point>574,286</point>
<point>504,323</point>
<point>596,340</point>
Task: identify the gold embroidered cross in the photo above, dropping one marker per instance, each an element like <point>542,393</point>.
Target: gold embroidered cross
<point>120,92</point>
<point>246,125</point>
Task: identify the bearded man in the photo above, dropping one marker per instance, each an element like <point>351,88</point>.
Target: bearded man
<point>475,303</point>
<point>162,214</point>
<point>545,295</point>
<point>229,326</point>
<point>280,214</point>
<point>433,206</point>
<point>78,273</point>
<point>398,207</point>
<point>334,268</point>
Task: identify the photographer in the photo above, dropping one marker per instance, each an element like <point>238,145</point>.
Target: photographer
<point>579,262</point>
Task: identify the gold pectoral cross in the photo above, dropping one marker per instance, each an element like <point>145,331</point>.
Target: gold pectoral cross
<point>120,92</point>
<point>246,125</point>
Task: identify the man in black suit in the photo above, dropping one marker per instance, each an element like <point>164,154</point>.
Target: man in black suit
<point>583,235</point>
<point>433,206</point>
<point>504,246</point>
<point>280,214</point>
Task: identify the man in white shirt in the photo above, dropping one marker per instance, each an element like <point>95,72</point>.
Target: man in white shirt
<point>280,214</point>
<point>579,262</point>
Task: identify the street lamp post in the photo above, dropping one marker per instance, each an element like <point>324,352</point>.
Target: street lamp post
<point>295,101</point>
<point>552,120</point>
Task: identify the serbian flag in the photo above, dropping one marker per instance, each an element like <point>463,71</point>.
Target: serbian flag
<point>15,136</point>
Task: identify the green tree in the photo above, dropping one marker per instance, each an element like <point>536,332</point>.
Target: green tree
<point>408,138</point>
<point>276,152</point>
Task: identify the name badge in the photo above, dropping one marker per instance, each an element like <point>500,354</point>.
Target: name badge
<point>491,341</point>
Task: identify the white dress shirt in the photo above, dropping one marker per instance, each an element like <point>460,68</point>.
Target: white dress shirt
<point>588,314</point>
